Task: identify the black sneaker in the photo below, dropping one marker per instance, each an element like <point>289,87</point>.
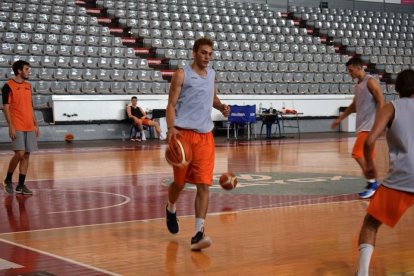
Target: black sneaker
<point>23,190</point>
<point>200,241</point>
<point>172,222</point>
<point>8,186</point>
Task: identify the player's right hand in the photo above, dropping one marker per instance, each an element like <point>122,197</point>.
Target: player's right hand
<point>172,133</point>
<point>12,133</point>
<point>335,123</point>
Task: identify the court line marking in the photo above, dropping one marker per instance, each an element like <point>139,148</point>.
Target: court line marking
<point>257,208</point>
<point>61,258</point>
<point>127,199</point>
<point>154,176</point>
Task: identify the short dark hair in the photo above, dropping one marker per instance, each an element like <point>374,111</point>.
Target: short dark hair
<point>404,84</point>
<point>202,41</point>
<point>134,98</point>
<point>355,61</point>
<point>18,65</point>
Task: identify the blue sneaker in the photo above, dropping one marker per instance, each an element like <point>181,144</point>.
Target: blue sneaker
<point>369,190</point>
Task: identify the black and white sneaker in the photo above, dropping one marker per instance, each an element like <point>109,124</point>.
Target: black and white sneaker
<point>8,186</point>
<point>22,189</point>
<point>172,222</point>
<point>200,241</point>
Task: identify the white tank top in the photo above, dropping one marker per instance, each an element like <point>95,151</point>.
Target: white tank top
<point>400,138</point>
<point>366,106</point>
<point>195,103</point>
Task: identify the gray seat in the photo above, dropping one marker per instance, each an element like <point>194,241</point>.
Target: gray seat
<point>131,88</point>
<point>42,87</point>
<point>103,87</point>
<point>281,88</point>
<point>73,87</point>
<point>117,87</point>
<point>88,87</point>
<point>60,74</point>
<point>39,118</point>
<point>117,75</point>
<point>159,87</point>
<point>145,87</point>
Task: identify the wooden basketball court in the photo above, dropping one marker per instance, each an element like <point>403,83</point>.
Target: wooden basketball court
<point>99,210</point>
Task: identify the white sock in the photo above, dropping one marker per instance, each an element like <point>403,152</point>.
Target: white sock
<point>365,253</point>
<point>372,180</point>
<point>199,224</point>
<point>171,207</point>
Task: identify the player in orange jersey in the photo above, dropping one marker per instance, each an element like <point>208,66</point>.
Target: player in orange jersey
<point>23,129</point>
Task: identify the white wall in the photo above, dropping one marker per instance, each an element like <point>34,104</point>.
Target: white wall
<point>112,107</point>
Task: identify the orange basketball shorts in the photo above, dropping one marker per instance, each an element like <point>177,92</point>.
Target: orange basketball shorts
<point>358,150</point>
<point>200,169</point>
<point>388,205</point>
<point>146,122</point>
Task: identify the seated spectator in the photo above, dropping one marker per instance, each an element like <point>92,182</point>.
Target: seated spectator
<point>139,119</point>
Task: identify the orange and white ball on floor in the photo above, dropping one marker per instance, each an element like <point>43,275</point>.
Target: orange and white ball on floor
<point>178,153</point>
<point>228,181</point>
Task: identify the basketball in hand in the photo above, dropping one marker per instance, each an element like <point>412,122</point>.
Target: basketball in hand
<point>178,153</point>
<point>228,181</point>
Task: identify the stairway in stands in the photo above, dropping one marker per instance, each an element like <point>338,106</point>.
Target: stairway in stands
<point>137,43</point>
<point>372,68</point>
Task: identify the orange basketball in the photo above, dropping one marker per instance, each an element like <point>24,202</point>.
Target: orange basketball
<point>228,181</point>
<point>69,137</point>
<point>178,153</point>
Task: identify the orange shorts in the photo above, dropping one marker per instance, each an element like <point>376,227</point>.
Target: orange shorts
<point>388,205</point>
<point>200,170</point>
<point>358,150</point>
<point>145,121</point>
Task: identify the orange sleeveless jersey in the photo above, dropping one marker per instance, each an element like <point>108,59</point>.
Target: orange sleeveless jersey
<point>21,106</point>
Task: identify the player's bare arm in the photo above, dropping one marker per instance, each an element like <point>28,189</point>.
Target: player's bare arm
<point>349,110</point>
<point>223,108</point>
<point>383,118</point>
<point>376,92</point>
<point>175,90</point>
<point>12,131</point>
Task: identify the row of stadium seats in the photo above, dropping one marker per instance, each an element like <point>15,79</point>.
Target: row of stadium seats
<point>61,39</point>
<point>98,87</point>
<point>38,114</point>
<point>154,27</point>
<point>349,12</point>
<point>76,74</point>
<point>246,46</point>
<point>283,88</point>
<point>152,4</point>
<point>283,77</point>
<point>210,16</point>
<point>41,17</point>
<point>71,3</point>
<point>64,7</point>
<point>75,62</point>
<point>87,74</point>
<point>344,19</point>
<point>66,50</point>
<point>46,28</point>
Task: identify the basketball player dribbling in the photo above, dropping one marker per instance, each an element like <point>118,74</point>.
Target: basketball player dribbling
<point>367,102</point>
<point>396,194</point>
<point>191,99</point>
